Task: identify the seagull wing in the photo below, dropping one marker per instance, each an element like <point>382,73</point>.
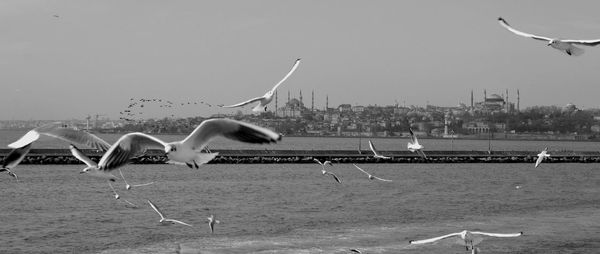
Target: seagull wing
<point>82,157</point>
<point>15,157</point>
<point>433,239</point>
<point>497,235</point>
<point>381,179</point>
<point>56,130</point>
<point>413,138</point>
<point>156,209</point>
<point>373,149</point>
<point>232,129</point>
<point>143,184</point>
<point>361,169</point>
<point>583,42</point>
<point>244,103</point>
<point>318,161</point>
<point>287,75</point>
<point>517,32</point>
<point>334,177</point>
<point>180,222</point>
<point>420,152</point>
<point>127,147</point>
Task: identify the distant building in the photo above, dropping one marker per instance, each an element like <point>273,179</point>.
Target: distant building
<point>293,108</point>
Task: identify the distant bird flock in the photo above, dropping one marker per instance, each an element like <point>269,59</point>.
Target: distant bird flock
<point>193,152</point>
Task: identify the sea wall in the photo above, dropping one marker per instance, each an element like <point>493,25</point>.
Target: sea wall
<point>63,156</point>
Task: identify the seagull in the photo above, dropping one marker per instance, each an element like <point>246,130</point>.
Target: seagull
<point>268,97</point>
<point>187,151</point>
<point>117,197</point>
<point>211,223</point>
<point>371,177</point>
<point>13,159</point>
<point>541,156</point>
<point>566,45</point>
<point>92,167</point>
<point>67,134</point>
<point>162,217</point>
<point>467,237</point>
<point>355,251</point>
<point>414,145</point>
<point>325,172</point>
<point>376,153</point>
<point>128,187</point>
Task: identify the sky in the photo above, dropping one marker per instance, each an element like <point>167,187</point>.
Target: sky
<point>96,55</point>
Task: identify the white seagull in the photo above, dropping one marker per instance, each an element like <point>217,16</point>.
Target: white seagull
<point>325,172</point>
<point>56,130</point>
<point>162,217</point>
<point>541,156</point>
<point>92,167</point>
<point>13,159</point>
<point>376,154</point>
<point>414,145</point>
<point>211,223</point>
<point>268,97</point>
<point>371,177</point>
<point>128,187</point>
<point>467,237</point>
<point>187,151</point>
<point>566,45</point>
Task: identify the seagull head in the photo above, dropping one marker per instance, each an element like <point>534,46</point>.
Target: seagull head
<point>170,148</point>
<point>551,42</point>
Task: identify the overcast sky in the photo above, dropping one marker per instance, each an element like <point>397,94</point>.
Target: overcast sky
<point>96,55</point>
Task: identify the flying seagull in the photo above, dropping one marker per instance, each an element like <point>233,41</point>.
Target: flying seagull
<point>56,130</point>
<point>92,167</point>
<point>187,151</point>
<point>128,186</point>
<point>541,156</point>
<point>268,97</point>
<point>162,217</point>
<point>467,238</point>
<point>376,153</point>
<point>325,172</point>
<point>371,177</point>
<point>566,45</point>
<point>118,197</point>
<point>13,159</point>
<point>211,223</point>
<point>414,145</point>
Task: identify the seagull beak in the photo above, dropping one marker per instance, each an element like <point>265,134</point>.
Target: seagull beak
<point>81,172</point>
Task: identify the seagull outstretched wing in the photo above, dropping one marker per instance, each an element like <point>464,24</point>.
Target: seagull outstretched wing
<point>517,32</point>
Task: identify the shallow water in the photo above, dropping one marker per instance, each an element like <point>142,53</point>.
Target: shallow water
<point>292,208</point>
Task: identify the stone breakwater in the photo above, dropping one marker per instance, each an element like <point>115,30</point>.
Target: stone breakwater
<point>63,156</point>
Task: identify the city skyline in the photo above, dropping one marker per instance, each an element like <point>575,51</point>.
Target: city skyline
<point>71,59</point>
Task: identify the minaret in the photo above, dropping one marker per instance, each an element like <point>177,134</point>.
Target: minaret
<point>275,102</point>
<point>471,99</point>
<point>312,101</point>
<point>507,104</point>
<point>288,96</point>
<point>326,102</point>
<point>518,101</point>
<point>301,102</point>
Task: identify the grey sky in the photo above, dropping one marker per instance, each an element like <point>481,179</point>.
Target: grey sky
<point>98,54</point>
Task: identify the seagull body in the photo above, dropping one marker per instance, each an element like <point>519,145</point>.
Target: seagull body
<point>325,172</point>
<point>376,154</point>
<point>162,217</point>
<point>268,97</point>
<point>128,186</point>
<point>414,145</point>
<point>211,223</point>
<point>56,130</point>
<point>466,236</point>
<point>541,156</point>
<point>371,177</point>
<point>565,45</point>
<point>13,159</point>
<point>187,151</point>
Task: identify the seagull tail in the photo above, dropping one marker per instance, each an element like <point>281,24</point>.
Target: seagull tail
<point>203,158</point>
<point>575,51</point>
